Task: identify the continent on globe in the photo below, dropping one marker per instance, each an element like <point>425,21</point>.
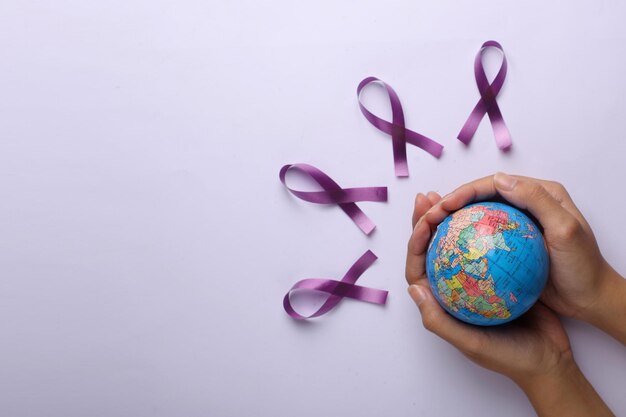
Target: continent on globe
<point>487,263</point>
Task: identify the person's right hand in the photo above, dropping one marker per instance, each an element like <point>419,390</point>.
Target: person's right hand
<point>581,283</point>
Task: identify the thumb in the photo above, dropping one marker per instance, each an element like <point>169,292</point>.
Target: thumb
<point>531,195</point>
<point>435,319</point>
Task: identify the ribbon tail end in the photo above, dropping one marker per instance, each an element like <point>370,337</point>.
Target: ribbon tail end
<point>465,139</point>
<point>504,144</point>
<point>368,229</point>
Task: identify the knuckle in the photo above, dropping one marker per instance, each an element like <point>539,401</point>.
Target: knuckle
<point>558,191</point>
<point>408,276</point>
<point>429,320</point>
<point>558,187</point>
<point>538,194</point>
<point>433,197</point>
<point>536,191</point>
<point>568,229</point>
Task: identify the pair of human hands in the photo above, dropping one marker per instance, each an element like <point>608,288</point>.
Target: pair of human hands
<point>581,283</point>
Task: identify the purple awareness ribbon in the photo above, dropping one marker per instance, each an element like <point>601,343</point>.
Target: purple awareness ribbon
<point>337,290</point>
<point>400,135</point>
<point>345,198</point>
<point>487,103</point>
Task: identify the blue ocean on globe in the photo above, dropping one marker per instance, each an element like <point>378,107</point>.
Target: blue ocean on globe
<point>487,263</point>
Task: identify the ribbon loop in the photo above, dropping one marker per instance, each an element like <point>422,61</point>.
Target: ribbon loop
<point>345,198</point>
<point>487,103</point>
<point>337,290</point>
<point>400,135</point>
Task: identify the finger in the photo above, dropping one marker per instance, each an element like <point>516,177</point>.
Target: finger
<point>435,215</point>
<point>422,204</point>
<point>433,197</point>
<point>435,319</point>
<point>559,192</point>
<point>416,252</point>
<point>485,188</point>
<point>476,190</point>
<point>523,192</point>
<point>532,196</point>
<point>434,219</point>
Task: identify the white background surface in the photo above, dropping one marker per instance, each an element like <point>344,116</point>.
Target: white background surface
<point>146,242</point>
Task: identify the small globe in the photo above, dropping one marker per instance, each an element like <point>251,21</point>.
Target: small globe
<point>487,263</point>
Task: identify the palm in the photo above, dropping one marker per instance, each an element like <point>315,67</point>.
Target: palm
<point>537,340</point>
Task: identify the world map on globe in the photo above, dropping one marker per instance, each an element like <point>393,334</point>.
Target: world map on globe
<point>487,263</point>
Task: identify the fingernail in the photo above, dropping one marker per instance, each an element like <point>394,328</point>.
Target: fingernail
<point>417,293</point>
<point>504,182</point>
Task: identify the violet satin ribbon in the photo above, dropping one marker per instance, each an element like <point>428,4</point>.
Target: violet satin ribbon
<point>400,135</point>
<point>345,198</point>
<point>487,103</point>
<point>338,289</point>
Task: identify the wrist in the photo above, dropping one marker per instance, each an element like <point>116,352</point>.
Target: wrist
<point>565,367</point>
<point>608,309</point>
<point>563,392</point>
<point>537,382</point>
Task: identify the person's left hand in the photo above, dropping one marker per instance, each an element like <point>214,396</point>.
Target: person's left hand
<point>532,346</point>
